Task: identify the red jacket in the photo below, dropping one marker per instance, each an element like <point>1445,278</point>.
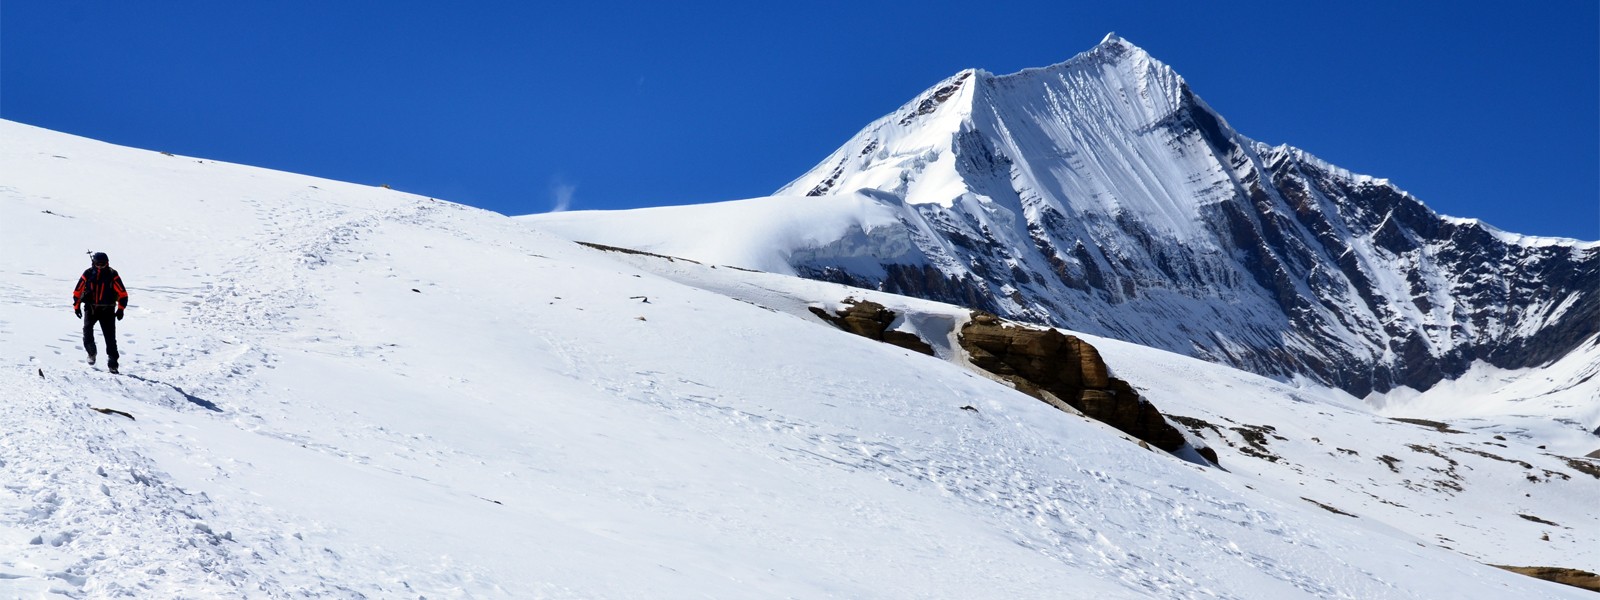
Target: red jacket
<point>100,286</point>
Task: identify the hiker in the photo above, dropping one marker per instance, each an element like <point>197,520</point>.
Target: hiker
<point>102,296</point>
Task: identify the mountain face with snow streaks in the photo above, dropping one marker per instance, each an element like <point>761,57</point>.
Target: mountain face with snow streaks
<point>1103,195</point>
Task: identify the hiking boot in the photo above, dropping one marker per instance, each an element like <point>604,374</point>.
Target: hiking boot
<point>91,359</point>
<point>112,369</point>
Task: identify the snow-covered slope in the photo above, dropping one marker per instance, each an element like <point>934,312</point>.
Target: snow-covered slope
<point>343,391</point>
<point>1470,484</point>
<point>1101,194</point>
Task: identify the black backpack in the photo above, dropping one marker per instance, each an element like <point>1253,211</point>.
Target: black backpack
<point>97,286</point>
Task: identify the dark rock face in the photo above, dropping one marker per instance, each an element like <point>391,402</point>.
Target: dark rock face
<point>872,321</point>
<point>1064,370</point>
<point>1468,294</point>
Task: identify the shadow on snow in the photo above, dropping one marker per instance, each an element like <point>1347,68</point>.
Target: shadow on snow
<point>193,399</point>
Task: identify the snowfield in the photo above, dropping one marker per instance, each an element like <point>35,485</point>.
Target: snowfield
<point>1471,484</point>
<point>345,391</point>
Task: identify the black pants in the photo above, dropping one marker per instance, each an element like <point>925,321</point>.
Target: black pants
<point>106,316</point>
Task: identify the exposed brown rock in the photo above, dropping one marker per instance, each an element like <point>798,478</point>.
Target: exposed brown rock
<point>1390,461</point>
<point>1587,467</point>
<point>1062,369</point>
<point>871,320</point>
<point>1255,440</point>
<point>909,341</point>
<point>1572,577</point>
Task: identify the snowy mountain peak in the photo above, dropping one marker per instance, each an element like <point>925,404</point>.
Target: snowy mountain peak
<point>1101,191</point>
<point>1116,45</point>
<point>1114,52</point>
<point>911,153</point>
<point>1102,194</point>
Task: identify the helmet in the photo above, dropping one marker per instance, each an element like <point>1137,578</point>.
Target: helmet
<point>100,259</point>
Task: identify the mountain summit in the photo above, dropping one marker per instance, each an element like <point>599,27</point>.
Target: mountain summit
<point>1102,194</point>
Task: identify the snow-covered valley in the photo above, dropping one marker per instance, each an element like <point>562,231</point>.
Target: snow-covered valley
<point>338,390</point>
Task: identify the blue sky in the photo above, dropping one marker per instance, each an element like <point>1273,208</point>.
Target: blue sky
<point>1478,109</point>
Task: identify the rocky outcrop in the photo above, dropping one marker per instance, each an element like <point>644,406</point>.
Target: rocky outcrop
<point>1067,373</point>
<point>1572,577</point>
<point>871,320</point>
<point>1060,369</point>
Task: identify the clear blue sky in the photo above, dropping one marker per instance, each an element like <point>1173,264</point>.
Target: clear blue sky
<point>1480,109</point>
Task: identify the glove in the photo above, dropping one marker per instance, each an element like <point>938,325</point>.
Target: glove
<point>119,313</point>
<point>77,311</point>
